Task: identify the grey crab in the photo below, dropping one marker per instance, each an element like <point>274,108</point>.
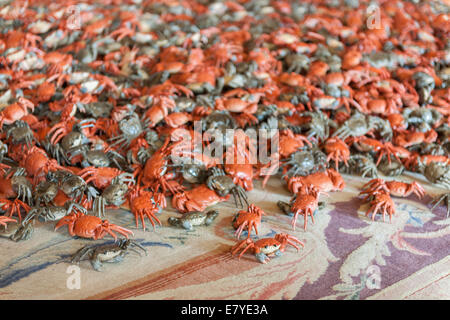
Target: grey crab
<point>436,172</point>
<point>191,219</point>
<point>108,252</point>
<point>224,185</point>
<point>305,161</point>
<point>360,124</point>
<point>362,165</point>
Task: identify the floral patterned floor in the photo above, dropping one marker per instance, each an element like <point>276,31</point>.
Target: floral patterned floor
<point>346,256</point>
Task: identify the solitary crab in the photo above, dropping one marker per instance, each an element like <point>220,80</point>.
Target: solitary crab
<point>108,252</point>
<point>190,219</point>
<point>267,247</point>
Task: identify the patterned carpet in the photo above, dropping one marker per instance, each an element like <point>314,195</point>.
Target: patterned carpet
<point>346,256</point>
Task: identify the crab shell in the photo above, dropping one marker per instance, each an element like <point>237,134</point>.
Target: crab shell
<point>327,181</point>
<point>197,199</point>
<point>267,246</point>
<point>87,226</point>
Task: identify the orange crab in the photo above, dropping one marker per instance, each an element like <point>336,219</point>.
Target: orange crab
<point>406,138</point>
<point>364,144</point>
<point>57,61</point>
<point>177,119</point>
<point>305,202</point>
<point>36,163</point>
<point>87,226</point>
<point>45,92</point>
<point>288,143</point>
<point>197,199</point>
<point>145,203</point>
<point>242,174</point>
<point>15,111</point>
<point>236,105</point>
<point>154,172</point>
<point>381,203</point>
<point>100,177</point>
<point>337,151</point>
<point>416,160</point>
<point>327,181</point>
<point>267,247</point>
<point>249,219</point>
<point>395,188</point>
<point>159,110</point>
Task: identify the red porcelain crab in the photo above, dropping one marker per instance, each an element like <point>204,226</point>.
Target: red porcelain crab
<point>37,163</point>
<point>326,181</point>
<point>364,144</point>
<point>288,143</point>
<point>87,226</point>
<point>197,199</point>
<point>154,174</point>
<point>15,111</point>
<point>242,174</point>
<point>267,247</point>
<point>395,188</point>
<point>238,164</point>
<point>159,110</point>
<point>249,219</point>
<point>103,176</point>
<point>145,203</point>
<point>381,203</point>
<point>337,150</point>
<point>415,161</point>
<point>406,138</point>
<point>246,107</point>
<point>305,202</point>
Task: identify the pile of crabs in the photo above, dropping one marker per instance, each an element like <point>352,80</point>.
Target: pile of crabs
<point>102,103</point>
